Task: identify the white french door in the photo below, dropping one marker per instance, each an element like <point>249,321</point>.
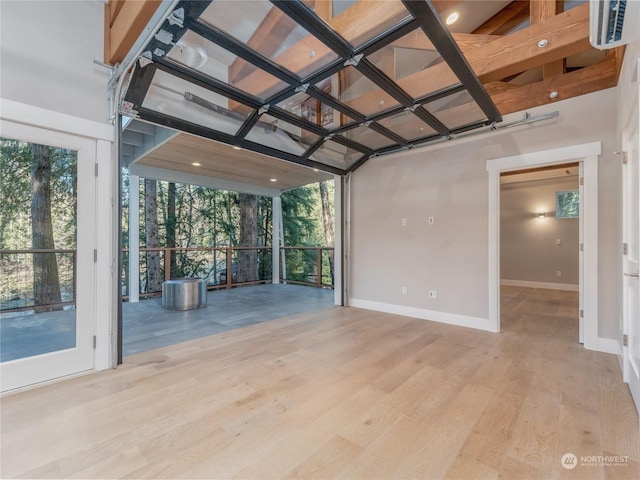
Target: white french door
<point>631,257</point>
<point>48,319</point>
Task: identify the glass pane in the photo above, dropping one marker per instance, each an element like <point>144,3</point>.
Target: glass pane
<point>407,125</point>
<point>367,137</point>
<point>210,59</point>
<point>337,155</point>
<point>176,97</point>
<point>314,111</point>
<point>267,30</point>
<point>38,243</point>
<point>354,89</point>
<point>456,110</point>
<point>358,21</point>
<point>275,133</point>
<point>415,65</point>
<point>568,204</point>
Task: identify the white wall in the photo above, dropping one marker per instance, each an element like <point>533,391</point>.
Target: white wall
<point>47,50</point>
<point>449,182</point>
<point>528,247</point>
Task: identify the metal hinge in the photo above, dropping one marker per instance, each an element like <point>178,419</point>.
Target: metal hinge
<point>625,249</point>
<point>582,247</point>
<point>96,169</point>
<point>95,255</point>
<point>95,340</point>
<point>581,313</point>
<point>624,158</point>
<point>625,340</point>
<point>581,180</point>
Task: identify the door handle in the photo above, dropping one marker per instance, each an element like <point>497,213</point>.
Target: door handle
<point>636,275</point>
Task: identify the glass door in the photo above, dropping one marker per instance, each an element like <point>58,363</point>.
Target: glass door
<point>47,237</point>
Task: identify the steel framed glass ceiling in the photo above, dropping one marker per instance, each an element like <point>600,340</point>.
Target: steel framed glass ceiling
<point>279,78</point>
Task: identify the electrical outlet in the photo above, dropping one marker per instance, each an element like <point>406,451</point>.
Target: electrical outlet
<point>558,273</point>
<point>433,294</point>
<point>558,241</point>
<point>430,220</point>
<point>404,222</point>
<point>404,290</point>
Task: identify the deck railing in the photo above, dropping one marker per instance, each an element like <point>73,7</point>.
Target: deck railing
<point>303,265</point>
<point>17,282</point>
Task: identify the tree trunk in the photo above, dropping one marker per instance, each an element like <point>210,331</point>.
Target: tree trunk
<point>327,223</point>
<point>154,275</point>
<point>46,285</point>
<point>171,226</point>
<point>248,259</point>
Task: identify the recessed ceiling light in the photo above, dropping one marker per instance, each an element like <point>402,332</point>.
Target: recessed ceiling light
<point>316,170</point>
<point>196,164</point>
<point>273,179</point>
<point>452,18</point>
<point>237,148</point>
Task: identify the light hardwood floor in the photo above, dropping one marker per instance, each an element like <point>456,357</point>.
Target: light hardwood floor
<point>340,393</point>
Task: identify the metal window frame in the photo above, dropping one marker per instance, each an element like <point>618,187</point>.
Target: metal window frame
<point>422,16</point>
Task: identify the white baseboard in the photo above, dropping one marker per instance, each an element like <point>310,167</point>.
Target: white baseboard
<point>608,345</point>
<point>548,285</point>
<point>442,317</point>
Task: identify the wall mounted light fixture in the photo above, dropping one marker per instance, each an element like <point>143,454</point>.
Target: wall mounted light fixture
<point>542,214</point>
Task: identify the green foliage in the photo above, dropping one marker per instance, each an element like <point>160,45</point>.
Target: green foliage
<point>15,195</point>
<point>207,217</point>
<point>568,204</point>
<point>301,217</point>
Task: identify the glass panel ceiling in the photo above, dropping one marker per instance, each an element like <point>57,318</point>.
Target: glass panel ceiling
<point>407,125</point>
<point>267,30</point>
<point>344,17</point>
<point>336,154</point>
<point>415,64</point>
<point>208,58</point>
<point>256,54</point>
<point>367,137</point>
<point>278,134</point>
<point>456,110</point>
<point>358,92</point>
<point>314,111</point>
<point>170,95</point>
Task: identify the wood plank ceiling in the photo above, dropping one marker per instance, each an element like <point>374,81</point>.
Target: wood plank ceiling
<point>526,54</point>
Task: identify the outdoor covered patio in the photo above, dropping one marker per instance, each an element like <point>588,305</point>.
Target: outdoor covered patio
<point>146,325</point>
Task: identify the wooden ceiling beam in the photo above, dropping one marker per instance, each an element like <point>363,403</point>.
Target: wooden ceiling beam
<point>126,20</point>
<point>542,10</point>
<point>593,78</point>
<point>466,41</point>
<point>566,34</point>
<point>323,8</point>
<point>511,16</point>
<point>618,53</point>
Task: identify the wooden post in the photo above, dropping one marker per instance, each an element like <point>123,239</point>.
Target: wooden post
<point>167,263</point>
<point>319,267</point>
<point>229,270</point>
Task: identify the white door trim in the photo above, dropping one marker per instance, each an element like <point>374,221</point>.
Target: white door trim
<point>588,154</point>
<point>36,369</point>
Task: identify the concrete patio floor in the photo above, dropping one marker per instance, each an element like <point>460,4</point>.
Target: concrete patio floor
<point>146,325</point>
